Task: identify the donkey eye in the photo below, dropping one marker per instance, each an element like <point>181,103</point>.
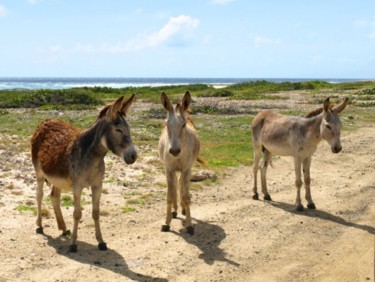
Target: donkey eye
<point>118,130</point>
<point>329,127</point>
<point>183,126</point>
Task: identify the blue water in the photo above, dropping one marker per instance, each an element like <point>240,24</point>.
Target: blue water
<point>7,83</point>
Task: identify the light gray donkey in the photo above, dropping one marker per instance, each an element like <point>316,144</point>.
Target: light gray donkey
<point>276,134</point>
<point>178,149</point>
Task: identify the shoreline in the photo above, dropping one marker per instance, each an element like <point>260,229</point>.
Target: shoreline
<point>60,83</point>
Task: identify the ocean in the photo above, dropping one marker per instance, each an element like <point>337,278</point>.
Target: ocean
<point>34,83</point>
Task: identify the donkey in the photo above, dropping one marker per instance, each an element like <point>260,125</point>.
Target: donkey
<point>275,134</point>
<point>178,149</point>
<point>69,158</point>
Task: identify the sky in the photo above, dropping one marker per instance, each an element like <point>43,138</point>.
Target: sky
<point>188,38</point>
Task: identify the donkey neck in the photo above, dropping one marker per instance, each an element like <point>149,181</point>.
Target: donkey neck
<point>89,142</point>
<point>314,125</point>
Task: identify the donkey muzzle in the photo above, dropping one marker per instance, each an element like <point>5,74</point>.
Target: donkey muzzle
<point>174,151</point>
<point>336,149</point>
<point>130,156</point>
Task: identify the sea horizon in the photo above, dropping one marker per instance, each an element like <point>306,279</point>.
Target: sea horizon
<point>35,83</point>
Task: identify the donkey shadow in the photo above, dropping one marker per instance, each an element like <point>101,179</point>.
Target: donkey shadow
<point>207,238</point>
<point>322,215</point>
<point>89,254</point>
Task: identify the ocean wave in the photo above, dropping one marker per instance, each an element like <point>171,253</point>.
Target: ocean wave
<point>35,83</point>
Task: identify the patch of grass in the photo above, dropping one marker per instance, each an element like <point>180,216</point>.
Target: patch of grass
<point>67,201</point>
<point>370,91</point>
<point>25,208</point>
<point>127,209</point>
<point>209,109</point>
<point>364,104</point>
<point>225,141</point>
<point>138,201</point>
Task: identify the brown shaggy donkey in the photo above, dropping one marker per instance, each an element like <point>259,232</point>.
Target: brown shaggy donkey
<point>71,159</point>
<point>178,149</point>
<point>275,134</point>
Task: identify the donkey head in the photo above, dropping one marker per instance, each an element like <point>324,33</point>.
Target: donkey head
<point>331,124</point>
<point>116,135</point>
<point>176,121</point>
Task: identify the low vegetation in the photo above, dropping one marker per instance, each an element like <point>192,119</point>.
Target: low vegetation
<point>225,135</point>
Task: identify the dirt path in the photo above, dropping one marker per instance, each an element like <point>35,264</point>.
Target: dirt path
<point>237,239</point>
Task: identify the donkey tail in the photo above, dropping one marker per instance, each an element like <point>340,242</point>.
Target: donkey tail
<point>201,161</point>
<point>266,163</point>
<point>267,159</point>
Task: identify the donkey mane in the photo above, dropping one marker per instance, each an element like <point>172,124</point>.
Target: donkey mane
<point>104,111</point>
<point>316,112</point>
<point>187,116</point>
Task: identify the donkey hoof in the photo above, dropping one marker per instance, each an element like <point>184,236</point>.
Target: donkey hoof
<point>299,207</point>
<point>267,197</point>
<point>174,214</point>
<point>66,233</point>
<point>183,212</point>
<point>102,246</point>
<point>39,230</point>
<point>73,248</point>
<point>311,206</point>
<point>255,196</point>
<point>165,228</point>
<point>190,230</point>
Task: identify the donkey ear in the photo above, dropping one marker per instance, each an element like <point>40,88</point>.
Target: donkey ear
<point>115,108</point>
<point>186,101</point>
<point>326,105</point>
<point>341,107</point>
<point>127,104</point>
<point>166,103</point>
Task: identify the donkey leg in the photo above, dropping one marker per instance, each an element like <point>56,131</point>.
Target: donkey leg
<point>171,195</point>
<point>186,199</point>
<point>297,169</point>
<point>307,180</point>
<point>39,198</point>
<point>77,215</point>
<point>257,152</point>
<point>55,197</point>
<point>263,173</point>
<point>175,206</point>
<point>96,192</point>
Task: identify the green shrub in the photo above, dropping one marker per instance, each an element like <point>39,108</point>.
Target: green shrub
<point>55,99</point>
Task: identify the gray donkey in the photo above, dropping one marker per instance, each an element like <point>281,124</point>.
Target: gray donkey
<point>70,159</point>
<point>276,134</point>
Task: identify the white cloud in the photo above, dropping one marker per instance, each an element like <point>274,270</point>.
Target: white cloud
<point>3,11</point>
<point>221,2</point>
<point>175,32</point>
<point>176,28</point>
<point>260,41</point>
